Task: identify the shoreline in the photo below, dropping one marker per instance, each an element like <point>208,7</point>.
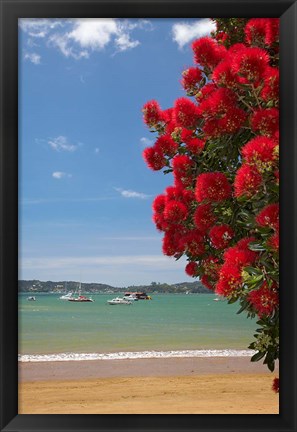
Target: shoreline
<point>140,367</point>
<point>147,386</point>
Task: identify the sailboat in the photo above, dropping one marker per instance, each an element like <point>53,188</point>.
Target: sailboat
<point>80,298</point>
<point>66,296</point>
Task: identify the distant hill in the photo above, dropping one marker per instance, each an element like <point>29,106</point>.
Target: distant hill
<point>94,288</point>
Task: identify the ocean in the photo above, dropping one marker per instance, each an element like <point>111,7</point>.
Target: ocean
<point>173,325</point>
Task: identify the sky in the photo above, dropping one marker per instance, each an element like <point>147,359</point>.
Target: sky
<point>85,193</point>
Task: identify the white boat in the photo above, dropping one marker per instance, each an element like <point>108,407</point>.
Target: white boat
<point>118,301</point>
<point>130,297</point>
<point>31,298</point>
<point>66,296</point>
<point>80,298</point>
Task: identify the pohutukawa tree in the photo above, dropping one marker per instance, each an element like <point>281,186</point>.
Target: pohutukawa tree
<point>221,143</point>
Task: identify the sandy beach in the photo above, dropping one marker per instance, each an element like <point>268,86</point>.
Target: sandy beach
<point>147,386</point>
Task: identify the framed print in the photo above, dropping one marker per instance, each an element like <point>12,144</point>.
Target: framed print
<point>133,300</point>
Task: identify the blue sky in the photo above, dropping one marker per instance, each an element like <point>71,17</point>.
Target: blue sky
<point>85,193</point>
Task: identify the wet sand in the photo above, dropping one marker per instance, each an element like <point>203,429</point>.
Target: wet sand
<point>147,386</point>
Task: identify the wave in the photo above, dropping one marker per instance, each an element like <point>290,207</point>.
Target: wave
<point>133,355</point>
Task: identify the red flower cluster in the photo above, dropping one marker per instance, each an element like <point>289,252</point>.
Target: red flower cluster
<point>182,170</point>
<point>191,80</point>
<point>270,91</point>
<point>166,144</point>
<point>221,114</point>
<point>262,31</point>
<point>269,217</point>
<point>154,158</point>
<point>249,65</point>
<point>204,217</point>
<point>260,150</point>
<point>152,114</point>
<point>186,113</point>
<point>265,121</point>
<point>230,275</point>
<point>220,236</point>
<point>191,268</point>
<point>264,300</point>
<point>247,182</point>
<point>207,52</point>
<point>213,186</point>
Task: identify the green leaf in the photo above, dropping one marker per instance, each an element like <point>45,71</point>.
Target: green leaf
<point>257,356</point>
<point>256,247</point>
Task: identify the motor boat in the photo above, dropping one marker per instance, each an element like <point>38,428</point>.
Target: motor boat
<point>31,298</point>
<point>119,301</point>
<point>130,297</point>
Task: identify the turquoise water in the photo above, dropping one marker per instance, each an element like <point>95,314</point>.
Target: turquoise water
<point>168,322</point>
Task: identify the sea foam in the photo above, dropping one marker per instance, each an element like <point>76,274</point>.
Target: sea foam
<point>133,355</point>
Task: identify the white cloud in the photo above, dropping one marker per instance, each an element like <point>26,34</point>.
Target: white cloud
<point>77,38</point>
<point>59,174</point>
<point>33,57</point>
<point>183,33</point>
<point>61,143</point>
<point>131,194</point>
<point>94,34</point>
<point>146,141</point>
<point>62,43</point>
<point>97,150</point>
<point>39,27</point>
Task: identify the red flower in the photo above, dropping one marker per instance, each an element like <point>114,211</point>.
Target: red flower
<point>205,91</point>
<point>207,52</point>
<point>240,254</point>
<point>230,280</point>
<point>211,267</point>
<point>262,31</point>
<point>259,149</point>
<point>204,217</point>
<point>154,158</point>
<point>193,243</point>
<point>219,102</point>
<point>195,145</point>
<point>186,135</point>
<point>152,113</point>
<point>220,236</point>
<point>182,164</point>
<point>175,212</point>
<point>191,269</point>
<point>207,283</point>
<point>191,79</point>
<point>171,242</point>
<point>256,31</point>
<point>265,121</point>
<point>247,181</point>
<point>272,34</point>
<point>224,76</point>
<point>269,216</point>
<point>167,145</point>
<point>271,84</point>
<point>264,300</point>
<point>275,385</point>
<point>213,186</point>
<point>250,65</point>
<point>182,169</point>
<point>186,113</point>
<point>160,222</point>
<point>159,204</point>
<point>273,241</point>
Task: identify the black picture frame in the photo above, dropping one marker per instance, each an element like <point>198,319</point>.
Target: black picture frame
<point>10,11</point>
